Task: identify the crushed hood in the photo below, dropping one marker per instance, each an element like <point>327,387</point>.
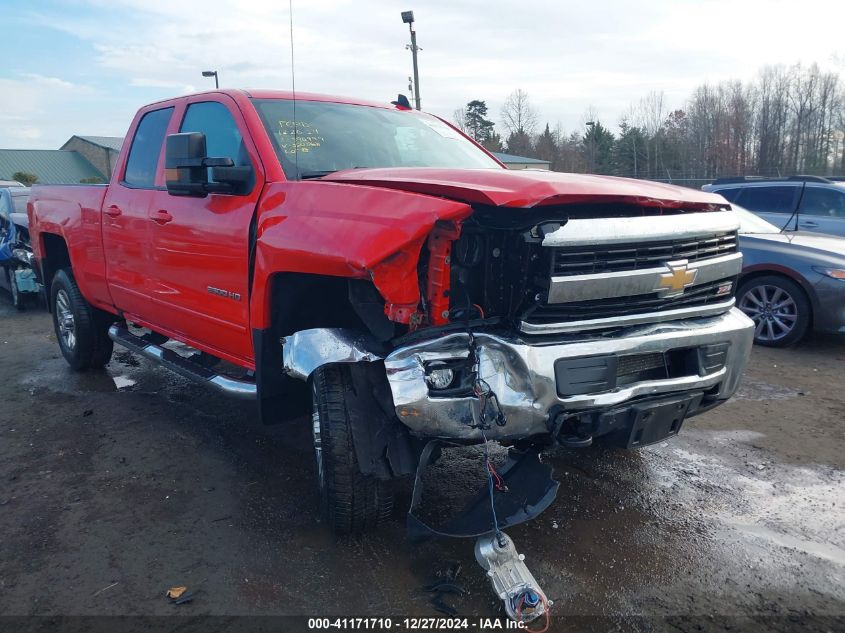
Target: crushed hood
<point>530,188</point>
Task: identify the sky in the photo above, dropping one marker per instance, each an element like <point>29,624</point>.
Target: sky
<point>85,66</point>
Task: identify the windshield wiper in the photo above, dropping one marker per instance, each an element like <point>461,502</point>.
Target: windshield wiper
<point>305,175</point>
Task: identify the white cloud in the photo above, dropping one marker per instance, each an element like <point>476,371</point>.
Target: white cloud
<point>566,55</point>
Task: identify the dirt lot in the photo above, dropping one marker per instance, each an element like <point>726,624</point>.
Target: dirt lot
<point>119,484</point>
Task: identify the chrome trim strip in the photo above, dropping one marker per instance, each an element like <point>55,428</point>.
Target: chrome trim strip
<point>595,231</point>
<point>573,288</point>
<point>625,321</point>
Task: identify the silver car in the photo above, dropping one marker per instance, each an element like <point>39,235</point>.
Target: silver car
<point>802,203</point>
<point>790,282</point>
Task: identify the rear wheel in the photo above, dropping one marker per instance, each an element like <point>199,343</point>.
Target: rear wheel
<point>350,501</point>
<point>779,308</point>
<point>81,329</point>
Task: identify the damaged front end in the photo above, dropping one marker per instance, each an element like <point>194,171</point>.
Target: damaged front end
<point>563,324</point>
<point>566,328</point>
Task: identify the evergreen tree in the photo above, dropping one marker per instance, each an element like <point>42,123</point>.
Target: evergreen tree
<point>477,125</point>
<point>546,147</point>
<point>598,149</point>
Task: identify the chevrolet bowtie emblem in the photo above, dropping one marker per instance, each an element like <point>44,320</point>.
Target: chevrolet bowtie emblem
<point>678,279</point>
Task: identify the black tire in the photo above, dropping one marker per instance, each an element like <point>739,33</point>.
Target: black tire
<point>779,308</point>
<point>350,502</point>
<point>88,345</point>
<point>17,297</point>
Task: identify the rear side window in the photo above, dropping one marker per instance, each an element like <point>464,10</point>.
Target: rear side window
<point>768,199</point>
<point>146,148</point>
<point>828,203</point>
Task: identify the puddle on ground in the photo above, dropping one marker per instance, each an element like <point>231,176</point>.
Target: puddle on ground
<point>813,548</point>
<point>758,390</point>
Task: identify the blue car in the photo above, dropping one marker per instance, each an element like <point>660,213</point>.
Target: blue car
<point>17,275</point>
<point>790,281</point>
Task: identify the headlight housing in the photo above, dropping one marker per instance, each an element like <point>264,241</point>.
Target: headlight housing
<point>439,378</point>
<point>833,273</point>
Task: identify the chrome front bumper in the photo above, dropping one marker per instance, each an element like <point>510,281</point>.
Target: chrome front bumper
<point>523,377</point>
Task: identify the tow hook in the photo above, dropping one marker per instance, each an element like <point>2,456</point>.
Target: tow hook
<point>511,580</point>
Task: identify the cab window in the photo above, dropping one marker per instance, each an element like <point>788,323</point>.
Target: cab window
<point>146,148</point>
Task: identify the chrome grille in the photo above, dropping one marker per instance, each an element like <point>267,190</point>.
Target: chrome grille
<point>701,295</point>
<point>585,260</point>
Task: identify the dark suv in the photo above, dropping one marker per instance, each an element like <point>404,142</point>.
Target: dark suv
<point>808,203</point>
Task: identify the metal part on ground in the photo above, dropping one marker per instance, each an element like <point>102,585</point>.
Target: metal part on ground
<point>511,580</point>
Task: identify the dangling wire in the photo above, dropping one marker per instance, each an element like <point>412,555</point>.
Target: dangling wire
<point>491,487</point>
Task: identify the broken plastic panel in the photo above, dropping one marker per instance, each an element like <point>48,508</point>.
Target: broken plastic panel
<point>529,485</point>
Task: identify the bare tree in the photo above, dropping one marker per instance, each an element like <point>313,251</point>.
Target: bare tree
<point>459,118</point>
<point>518,115</point>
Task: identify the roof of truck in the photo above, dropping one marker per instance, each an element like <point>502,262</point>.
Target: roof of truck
<point>287,94</point>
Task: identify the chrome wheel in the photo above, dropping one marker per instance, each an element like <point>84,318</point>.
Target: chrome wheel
<point>773,311</point>
<point>315,433</point>
<point>65,320</point>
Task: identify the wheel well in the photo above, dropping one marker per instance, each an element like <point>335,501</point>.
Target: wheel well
<point>303,301</point>
<point>56,257</point>
<point>756,274</point>
<point>298,302</point>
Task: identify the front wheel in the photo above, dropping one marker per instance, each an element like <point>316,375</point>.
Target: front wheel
<point>81,329</point>
<point>779,308</point>
<point>350,501</point>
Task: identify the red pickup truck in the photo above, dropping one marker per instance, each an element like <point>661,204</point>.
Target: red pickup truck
<point>374,267</point>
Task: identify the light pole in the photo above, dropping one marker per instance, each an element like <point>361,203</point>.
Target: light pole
<point>211,73</point>
<point>408,18</point>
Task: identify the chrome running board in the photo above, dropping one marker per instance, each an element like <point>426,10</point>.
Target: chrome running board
<point>243,389</point>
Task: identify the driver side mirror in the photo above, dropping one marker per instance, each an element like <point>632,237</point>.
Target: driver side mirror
<point>187,166</point>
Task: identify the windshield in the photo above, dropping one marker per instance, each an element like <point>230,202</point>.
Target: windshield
<point>750,223</point>
<point>331,136</point>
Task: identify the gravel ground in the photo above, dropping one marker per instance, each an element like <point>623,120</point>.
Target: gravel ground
<point>116,485</point>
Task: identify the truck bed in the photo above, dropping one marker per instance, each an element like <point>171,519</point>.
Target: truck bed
<point>75,213</point>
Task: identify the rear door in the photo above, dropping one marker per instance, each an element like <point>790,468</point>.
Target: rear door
<point>822,210</point>
<point>125,221</point>
<point>774,203</point>
<point>200,246</point>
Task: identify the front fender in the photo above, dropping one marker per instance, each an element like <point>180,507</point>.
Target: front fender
<point>344,230</point>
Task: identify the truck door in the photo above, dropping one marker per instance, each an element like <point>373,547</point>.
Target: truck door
<point>125,222</point>
<point>200,246</point>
